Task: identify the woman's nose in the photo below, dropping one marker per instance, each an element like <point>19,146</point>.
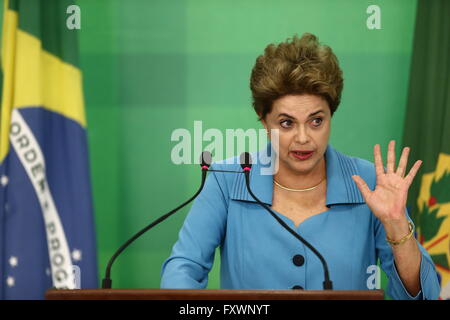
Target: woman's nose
<point>302,135</point>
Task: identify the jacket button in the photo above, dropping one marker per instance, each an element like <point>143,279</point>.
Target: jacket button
<point>298,260</point>
<point>297,287</point>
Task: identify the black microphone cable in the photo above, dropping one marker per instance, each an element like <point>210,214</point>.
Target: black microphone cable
<point>246,166</point>
<point>205,163</point>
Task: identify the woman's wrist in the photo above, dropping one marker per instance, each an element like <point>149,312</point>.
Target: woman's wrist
<point>396,229</point>
<point>406,237</point>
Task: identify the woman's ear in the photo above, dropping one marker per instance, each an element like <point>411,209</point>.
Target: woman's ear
<point>264,123</point>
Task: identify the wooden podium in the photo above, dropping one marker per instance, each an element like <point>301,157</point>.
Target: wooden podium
<point>212,294</point>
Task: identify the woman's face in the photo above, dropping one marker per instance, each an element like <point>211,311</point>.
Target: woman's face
<point>303,122</point>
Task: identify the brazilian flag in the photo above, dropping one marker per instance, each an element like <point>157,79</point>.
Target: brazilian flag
<point>47,234</point>
<point>427,132</point>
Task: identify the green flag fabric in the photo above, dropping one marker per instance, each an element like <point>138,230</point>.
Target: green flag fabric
<point>427,132</point>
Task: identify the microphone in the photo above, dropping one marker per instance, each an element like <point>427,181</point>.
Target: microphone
<point>246,165</point>
<point>205,160</point>
<point>205,163</point>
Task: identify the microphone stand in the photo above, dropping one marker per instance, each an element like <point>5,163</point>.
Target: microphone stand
<point>107,282</point>
<point>246,166</point>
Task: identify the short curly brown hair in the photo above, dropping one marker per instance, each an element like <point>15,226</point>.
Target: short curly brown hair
<point>300,66</point>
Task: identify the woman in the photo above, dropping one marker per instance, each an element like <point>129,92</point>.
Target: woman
<point>322,194</point>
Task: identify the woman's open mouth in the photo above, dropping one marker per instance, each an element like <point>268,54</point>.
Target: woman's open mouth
<point>302,155</point>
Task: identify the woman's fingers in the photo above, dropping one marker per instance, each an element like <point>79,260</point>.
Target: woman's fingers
<point>391,157</point>
<point>403,162</point>
<point>412,173</point>
<point>362,186</point>
<point>390,168</point>
<point>378,160</point>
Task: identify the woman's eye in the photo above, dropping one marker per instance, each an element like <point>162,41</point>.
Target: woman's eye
<point>317,122</point>
<point>286,123</point>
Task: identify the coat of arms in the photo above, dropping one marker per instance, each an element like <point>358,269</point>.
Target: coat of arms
<point>433,219</point>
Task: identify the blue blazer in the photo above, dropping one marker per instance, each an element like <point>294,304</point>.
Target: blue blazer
<point>258,253</point>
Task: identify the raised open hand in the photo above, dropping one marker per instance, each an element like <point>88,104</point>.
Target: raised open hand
<point>388,200</point>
